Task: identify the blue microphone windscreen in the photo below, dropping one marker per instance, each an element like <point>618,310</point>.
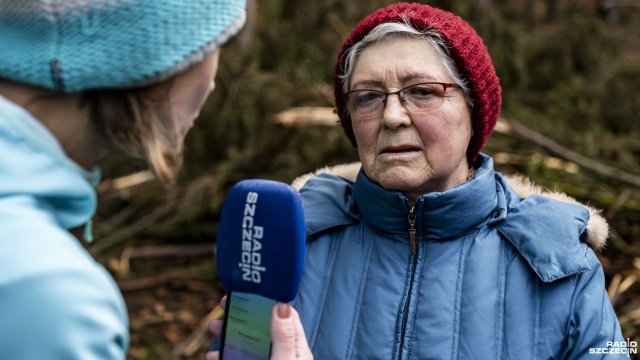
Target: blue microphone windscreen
<point>261,240</point>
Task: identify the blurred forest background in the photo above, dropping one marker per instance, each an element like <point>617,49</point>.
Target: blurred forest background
<point>570,71</point>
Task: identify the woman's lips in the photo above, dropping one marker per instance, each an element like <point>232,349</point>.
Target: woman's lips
<point>399,149</point>
<point>398,153</point>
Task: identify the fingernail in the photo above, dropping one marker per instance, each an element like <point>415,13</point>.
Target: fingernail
<point>284,310</point>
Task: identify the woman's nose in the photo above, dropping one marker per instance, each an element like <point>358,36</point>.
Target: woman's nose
<point>395,115</point>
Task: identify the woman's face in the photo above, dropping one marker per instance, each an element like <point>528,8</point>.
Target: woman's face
<point>186,93</point>
<point>414,153</point>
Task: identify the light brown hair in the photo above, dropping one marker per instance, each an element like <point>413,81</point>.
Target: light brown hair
<point>140,126</point>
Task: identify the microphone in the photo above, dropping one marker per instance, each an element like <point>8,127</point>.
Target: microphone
<point>261,249</point>
<point>261,240</point>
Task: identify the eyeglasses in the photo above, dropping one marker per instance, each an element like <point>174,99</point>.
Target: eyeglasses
<point>423,97</point>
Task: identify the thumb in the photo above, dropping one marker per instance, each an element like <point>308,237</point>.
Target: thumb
<point>283,333</point>
<point>287,334</point>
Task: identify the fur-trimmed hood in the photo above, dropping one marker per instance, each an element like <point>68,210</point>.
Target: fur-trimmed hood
<point>597,227</point>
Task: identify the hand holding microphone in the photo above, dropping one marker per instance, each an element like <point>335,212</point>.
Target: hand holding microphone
<point>261,248</point>
<point>287,334</point>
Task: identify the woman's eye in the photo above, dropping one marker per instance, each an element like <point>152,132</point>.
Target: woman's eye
<point>365,98</point>
<point>421,91</point>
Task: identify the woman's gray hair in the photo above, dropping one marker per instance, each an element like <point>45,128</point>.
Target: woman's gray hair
<point>385,30</point>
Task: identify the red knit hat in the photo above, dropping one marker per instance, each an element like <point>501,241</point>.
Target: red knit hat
<point>466,49</point>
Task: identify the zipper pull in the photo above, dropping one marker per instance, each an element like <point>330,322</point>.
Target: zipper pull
<point>412,232</point>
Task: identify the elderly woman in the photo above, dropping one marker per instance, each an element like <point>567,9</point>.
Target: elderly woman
<point>428,252</point>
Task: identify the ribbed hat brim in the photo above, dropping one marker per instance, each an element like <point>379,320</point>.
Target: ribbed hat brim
<point>74,46</point>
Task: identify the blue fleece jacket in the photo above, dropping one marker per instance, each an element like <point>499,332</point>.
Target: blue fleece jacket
<point>56,301</point>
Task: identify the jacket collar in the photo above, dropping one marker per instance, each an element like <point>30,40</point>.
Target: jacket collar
<point>550,230</point>
<point>439,216</point>
<point>34,164</point>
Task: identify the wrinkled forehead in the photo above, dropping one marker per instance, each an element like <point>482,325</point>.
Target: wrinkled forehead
<point>397,61</point>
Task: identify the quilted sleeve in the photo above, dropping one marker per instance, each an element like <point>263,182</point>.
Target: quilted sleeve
<point>593,330</point>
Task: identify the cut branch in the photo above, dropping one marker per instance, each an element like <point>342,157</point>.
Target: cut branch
<point>192,344</point>
<point>512,127</point>
<point>153,281</point>
<point>164,251</point>
<point>129,231</point>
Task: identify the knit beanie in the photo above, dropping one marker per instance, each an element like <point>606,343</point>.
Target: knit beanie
<point>74,45</point>
<point>466,49</point>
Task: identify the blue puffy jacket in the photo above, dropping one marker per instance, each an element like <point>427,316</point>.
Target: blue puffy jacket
<point>493,273</point>
<point>56,302</point>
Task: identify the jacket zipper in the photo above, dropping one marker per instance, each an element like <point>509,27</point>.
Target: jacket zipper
<point>413,245</point>
<point>412,232</point>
